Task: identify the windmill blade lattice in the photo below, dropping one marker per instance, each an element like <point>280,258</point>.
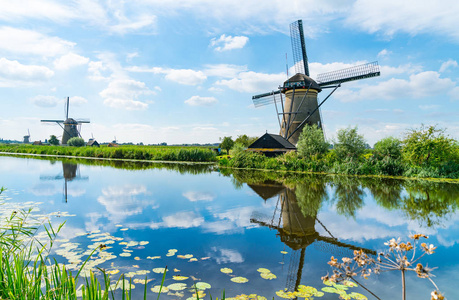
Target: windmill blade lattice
<point>266,98</point>
<point>300,59</point>
<point>349,74</point>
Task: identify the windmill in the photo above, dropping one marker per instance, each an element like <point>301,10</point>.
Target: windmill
<point>71,126</point>
<point>27,137</point>
<point>297,231</point>
<point>70,172</point>
<point>300,106</point>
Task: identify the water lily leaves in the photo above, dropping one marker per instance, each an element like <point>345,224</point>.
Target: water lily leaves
<point>125,254</point>
<point>113,272</point>
<point>263,270</point>
<point>350,283</point>
<point>153,257</point>
<point>171,252</point>
<point>285,294</point>
<point>123,243</point>
<point>156,289</point>
<point>239,279</point>
<point>124,229</point>
<point>268,276</point>
<point>226,270</point>
<point>143,243</point>
<point>202,285</point>
<point>193,259</point>
<point>330,290</point>
<point>137,258</point>
<point>179,277</point>
<point>284,252</point>
<point>179,286</point>
<point>358,296</point>
<point>159,270</point>
<point>142,281</point>
<point>119,225</point>
<point>205,258</point>
<point>199,295</point>
<point>187,256</point>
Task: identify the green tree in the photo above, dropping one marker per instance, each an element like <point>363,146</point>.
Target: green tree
<point>428,145</point>
<point>245,140</point>
<point>227,143</point>
<point>76,142</point>
<point>388,147</point>
<point>312,142</point>
<point>349,143</point>
<point>53,140</point>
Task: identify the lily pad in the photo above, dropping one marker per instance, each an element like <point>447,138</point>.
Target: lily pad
<point>226,270</point>
<point>202,285</point>
<point>125,254</point>
<point>263,270</point>
<point>284,252</point>
<point>179,277</point>
<point>156,289</point>
<point>239,279</point>
<point>268,276</point>
<point>179,286</point>
<point>159,270</point>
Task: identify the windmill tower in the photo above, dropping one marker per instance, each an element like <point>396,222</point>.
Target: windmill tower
<point>71,126</point>
<point>300,106</point>
<point>27,137</point>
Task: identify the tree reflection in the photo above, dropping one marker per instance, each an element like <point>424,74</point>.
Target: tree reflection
<point>348,195</point>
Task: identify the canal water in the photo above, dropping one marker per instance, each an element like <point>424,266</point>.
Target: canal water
<point>240,232</point>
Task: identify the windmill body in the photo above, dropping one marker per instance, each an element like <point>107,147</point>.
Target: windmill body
<point>298,96</point>
<point>27,137</point>
<point>70,126</point>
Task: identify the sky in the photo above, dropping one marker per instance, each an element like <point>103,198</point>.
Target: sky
<point>184,71</point>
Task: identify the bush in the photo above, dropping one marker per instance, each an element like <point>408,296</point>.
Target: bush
<point>349,144</point>
<point>312,142</point>
<point>388,147</point>
<point>76,142</point>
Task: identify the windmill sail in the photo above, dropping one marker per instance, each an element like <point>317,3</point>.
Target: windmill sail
<point>266,98</point>
<point>300,58</point>
<point>349,74</point>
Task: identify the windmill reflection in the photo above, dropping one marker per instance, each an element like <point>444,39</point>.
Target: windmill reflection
<point>296,226</point>
<point>70,172</point>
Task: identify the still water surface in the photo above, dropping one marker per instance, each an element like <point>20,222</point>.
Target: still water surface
<point>242,220</point>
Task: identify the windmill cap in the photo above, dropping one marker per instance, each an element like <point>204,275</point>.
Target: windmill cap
<point>301,81</point>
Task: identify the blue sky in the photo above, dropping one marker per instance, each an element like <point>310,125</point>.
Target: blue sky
<point>184,71</point>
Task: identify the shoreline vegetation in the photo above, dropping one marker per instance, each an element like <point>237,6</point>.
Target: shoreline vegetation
<point>423,153</point>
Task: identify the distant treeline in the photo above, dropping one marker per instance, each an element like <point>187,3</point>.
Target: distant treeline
<point>162,153</point>
<point>425,152</point>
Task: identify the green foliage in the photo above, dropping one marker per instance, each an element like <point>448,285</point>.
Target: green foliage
<point>388,147</point>
<point>245,140</point>
<point>238,147</point>
<point>428,145</point>
<point>76,142</point>
<point>312,142</point>
<point>227,143</point>
<point>349,144</point>
<point>53,140</point>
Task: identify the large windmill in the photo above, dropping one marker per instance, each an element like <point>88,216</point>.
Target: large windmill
<point>27,137</point>
<point>71,126</point>
<point>300,106</point>
<point>297,231</point>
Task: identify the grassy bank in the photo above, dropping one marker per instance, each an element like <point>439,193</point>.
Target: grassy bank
<point>366,164</point>
<point>163,153</point>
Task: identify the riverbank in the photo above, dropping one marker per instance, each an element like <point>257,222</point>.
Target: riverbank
<point>139,153</point>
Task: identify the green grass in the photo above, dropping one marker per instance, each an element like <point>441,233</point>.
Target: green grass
<point>158,153</point>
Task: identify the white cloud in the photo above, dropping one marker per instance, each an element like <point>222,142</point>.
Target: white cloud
<point>410,16</point>
<point>70,60</point>
<point>136,23</point>
<point>78,101</point>
<point>45,101</point>
<point>224,70</point>
<point>194,196</point>
<point>225,43</point>
<point>253,82</point>
<point>183,220</point>
<point>429,107</point>
<point>419,85</point>
<point>448,64</point>
<point>13,73</point>
<point>201,101</point>
<point>384,53</point>
<point>121,93</point>
<point>22,41</point>
<point>182,76</point>
<point>21,9</point>
<point>455,93</point>
<point>223,255</point>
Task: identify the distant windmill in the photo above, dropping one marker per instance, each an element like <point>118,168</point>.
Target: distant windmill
<point>27,137</point>
<point>300,106</point>
<point>71,126</point>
